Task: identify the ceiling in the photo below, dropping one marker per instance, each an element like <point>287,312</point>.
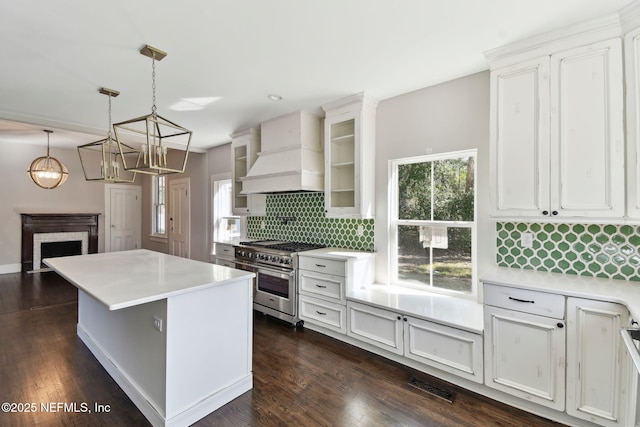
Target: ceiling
<point>57,54</point>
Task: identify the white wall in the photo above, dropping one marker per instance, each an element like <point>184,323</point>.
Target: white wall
<point>451,116</point>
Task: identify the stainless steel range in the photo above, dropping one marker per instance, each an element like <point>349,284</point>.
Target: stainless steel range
<point>275,263</point>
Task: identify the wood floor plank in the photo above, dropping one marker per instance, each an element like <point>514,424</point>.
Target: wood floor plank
<point>301,378</point>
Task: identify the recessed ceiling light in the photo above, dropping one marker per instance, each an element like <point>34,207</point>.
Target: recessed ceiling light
<point>274,97</point>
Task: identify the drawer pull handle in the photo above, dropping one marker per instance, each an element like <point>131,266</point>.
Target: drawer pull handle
<point>321,313</point>
<point>321,286</point>
<point>521,300</point>
<point>320,265</point>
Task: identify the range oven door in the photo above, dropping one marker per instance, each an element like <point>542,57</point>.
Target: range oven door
<point>276,289</point>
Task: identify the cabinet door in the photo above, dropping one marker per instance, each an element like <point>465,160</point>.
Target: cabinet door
<point>587,138</point>
<point>342,190</point>
<point>240,166</point>
<point>597,377</point>
<point>525,356</point>
<point>375,326</point>
<point>632,64</point>
<point>452,350</point>
<point>519,133</point>
<point>326,314</point>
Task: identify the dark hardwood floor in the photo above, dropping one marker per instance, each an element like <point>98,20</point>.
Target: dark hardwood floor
<point>301,378</point>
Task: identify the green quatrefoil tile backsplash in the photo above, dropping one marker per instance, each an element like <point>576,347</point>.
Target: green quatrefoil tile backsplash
<point>609,251</point>
<point>310,224</point>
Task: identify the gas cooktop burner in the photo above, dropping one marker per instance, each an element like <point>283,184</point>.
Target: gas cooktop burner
<point>283,246</point>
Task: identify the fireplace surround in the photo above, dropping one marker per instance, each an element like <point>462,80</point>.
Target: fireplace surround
<point>61,226</point>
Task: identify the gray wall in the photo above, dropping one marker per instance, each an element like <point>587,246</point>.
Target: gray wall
<point>18,194</point>
<point>451,116</point>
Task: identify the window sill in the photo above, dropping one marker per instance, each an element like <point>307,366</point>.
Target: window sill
<point>158,239</point>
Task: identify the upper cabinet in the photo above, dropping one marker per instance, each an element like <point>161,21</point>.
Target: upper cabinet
<point>244,151</point>
<point>631,27</point>
<point>557,128</point>
<point>349,156</point>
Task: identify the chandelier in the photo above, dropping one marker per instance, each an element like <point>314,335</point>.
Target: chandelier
<point>166,146</point>
<point>103,160</point>
<point>47,172</point>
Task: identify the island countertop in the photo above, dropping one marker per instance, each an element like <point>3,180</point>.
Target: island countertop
<point>128,278</point>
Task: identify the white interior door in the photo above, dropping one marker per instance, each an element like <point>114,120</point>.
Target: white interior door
<point>179,217</point>
<point>122,217</point>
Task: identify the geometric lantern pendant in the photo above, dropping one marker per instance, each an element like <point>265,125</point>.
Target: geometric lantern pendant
<point>48,172</point>
<point>102,160</point>
<point>166,146</point>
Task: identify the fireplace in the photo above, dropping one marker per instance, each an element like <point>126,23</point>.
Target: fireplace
<point>61,234</point>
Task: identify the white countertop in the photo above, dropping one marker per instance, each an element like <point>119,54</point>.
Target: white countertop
<point>443,309</point>
<point>619,291</point>
<point>337,253</point>
<point>129,278</point>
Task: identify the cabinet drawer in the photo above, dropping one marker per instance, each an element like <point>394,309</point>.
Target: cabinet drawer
<point>225,262</point>
<point>322,285</point>
<point>323,313</point>
<point>524,300</point>
<point>321,265</point>
<point>224,250</point>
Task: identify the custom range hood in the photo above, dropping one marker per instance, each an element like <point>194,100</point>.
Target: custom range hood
<point>291,157</point>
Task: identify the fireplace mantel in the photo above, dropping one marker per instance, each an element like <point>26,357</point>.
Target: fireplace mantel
<point>56,223</point>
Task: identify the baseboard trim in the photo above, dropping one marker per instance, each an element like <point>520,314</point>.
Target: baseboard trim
<point>10,268</point>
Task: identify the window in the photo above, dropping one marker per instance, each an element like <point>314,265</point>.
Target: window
<point>225,224</point>
<point>159,200</point>
<point>433,222</point>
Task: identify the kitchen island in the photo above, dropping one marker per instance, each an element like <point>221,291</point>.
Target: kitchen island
<point>174,333</point>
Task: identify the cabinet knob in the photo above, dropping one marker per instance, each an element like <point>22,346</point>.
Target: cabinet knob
<point>560,325</point>
<point>545,212</point>
<point>405,319</point>
<point>554,213</point>
<point>399,318</point>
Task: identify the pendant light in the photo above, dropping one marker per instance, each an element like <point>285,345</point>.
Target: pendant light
<point>47,172</point>
<point>166,148</point>
<point>103,160</point>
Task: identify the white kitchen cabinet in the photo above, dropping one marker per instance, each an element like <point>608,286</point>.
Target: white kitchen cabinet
<point>524,352</point>
<point>556,134</point>
<point>597,368</point>
<point>349,153</point>
<point>632,58</point>
<point>453,350</point>
<point>323,313</point>
<point>519,148</point>
<point>225,255</point>
<point>443,347</point>
<point>323,276</point>
<point>382,328</point>
<point>244,152</point>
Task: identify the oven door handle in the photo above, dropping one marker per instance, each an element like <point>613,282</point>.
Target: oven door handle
<point>271,272</point>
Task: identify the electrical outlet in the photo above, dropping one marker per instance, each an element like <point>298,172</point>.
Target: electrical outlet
<point>360,230</point>
<point>157,323</point>
<point>262,225</point>
<point>526,240</point>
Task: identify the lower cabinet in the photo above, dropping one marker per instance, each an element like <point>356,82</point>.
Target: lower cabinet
<point>323,313</point>
<point>597,364</point>
<point>449,349</point>
<point>525,356</point>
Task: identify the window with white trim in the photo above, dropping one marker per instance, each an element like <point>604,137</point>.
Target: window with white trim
<point>225,224</point>
<point>159,206</point>
<point>433,222</point>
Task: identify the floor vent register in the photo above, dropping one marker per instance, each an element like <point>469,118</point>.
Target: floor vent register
<point>432,389</point>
